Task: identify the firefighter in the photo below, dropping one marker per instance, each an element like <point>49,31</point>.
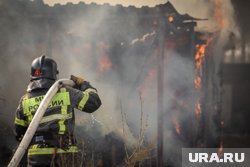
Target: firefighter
<point>54,143</point>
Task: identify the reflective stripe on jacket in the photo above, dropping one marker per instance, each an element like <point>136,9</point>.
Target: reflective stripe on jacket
<point>58,119</point>
<point>47,151</point>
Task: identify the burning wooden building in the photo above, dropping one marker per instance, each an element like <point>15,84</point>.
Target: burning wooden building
<point>155,51</point>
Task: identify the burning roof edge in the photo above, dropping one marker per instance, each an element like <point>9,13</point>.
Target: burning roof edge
<point>165,6</point>
<point>160,8</point>
<point>107,4</point>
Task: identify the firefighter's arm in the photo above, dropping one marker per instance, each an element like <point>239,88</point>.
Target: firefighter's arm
<point>20,124</point>
<point>87,98</point>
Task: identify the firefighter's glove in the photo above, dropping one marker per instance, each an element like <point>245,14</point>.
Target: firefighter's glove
<point>81,84</point>
<point>77,80</point>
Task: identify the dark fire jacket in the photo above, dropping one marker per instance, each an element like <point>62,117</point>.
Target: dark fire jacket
<point>55,133</point>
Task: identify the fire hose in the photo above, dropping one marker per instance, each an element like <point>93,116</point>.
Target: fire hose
<point>36,120</point>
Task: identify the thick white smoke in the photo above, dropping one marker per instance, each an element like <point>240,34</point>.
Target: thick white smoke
<point>77,52</point>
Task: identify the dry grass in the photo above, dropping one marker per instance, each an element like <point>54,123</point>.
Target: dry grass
<point>134,156</point>
<point>140,152</point>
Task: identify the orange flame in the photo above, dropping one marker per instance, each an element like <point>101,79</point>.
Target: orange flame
<point>197,82</point>
<point>199,60</point>
<point>198,108</point>
<point>218,13</point>
<point>177,126</point>
<point>199,56</point>
<point>105,63</point>
<point>143,89</point>
<point>170,19</point>
<point>221,148</point>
